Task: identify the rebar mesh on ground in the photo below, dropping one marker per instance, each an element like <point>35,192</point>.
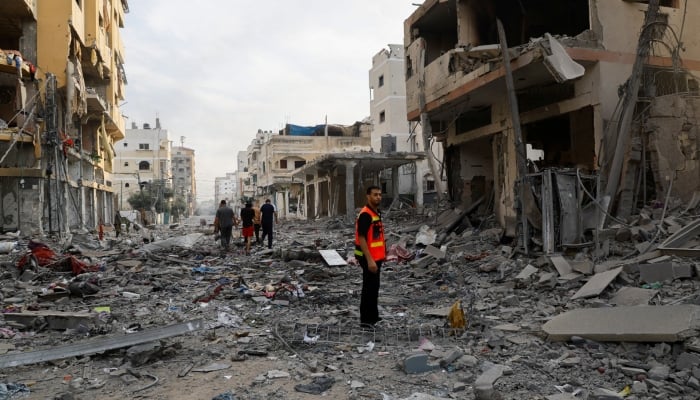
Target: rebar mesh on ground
<point>295,333</point>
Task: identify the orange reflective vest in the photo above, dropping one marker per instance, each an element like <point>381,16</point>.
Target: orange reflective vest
<point>374,236</point>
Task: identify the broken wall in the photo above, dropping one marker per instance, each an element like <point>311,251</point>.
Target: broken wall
<point>673,137</point>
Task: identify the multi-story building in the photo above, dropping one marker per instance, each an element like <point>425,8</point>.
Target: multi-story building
<point>226,188</point>
<point>62,77</point>
<point>245,184</point>
<point>595,86</point>
<point>184,183</point>
<point>143,161</point>
<point>391,131</point>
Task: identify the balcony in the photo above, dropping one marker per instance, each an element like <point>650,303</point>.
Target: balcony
<point>96,103</point>
<point>18,9</point>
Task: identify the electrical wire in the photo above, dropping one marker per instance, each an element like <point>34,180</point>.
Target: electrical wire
<point>595,201</point>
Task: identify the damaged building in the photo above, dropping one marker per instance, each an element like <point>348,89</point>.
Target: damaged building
<point>591,111</point>
<point>61,80</point>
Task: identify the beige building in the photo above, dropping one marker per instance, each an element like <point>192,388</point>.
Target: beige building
<point>62,69</point>
<point>184,183</point>
<point>143,161</point>
<point>391,131</point>
<point>599,97</point>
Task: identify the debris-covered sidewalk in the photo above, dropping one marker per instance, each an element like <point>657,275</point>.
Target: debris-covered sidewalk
<point>464,314</point>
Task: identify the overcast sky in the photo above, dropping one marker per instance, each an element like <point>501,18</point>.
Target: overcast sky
<point>216,71</point>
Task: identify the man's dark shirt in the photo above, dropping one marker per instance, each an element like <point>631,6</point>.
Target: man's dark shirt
<point>363,224</point>
<point>225,216</point>
<point>247,215</point>
<point>267,212</point>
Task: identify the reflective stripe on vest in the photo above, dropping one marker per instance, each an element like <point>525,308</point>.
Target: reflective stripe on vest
<point>374,237</point>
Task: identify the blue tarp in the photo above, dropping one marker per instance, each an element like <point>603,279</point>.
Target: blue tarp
<point>296,130</point>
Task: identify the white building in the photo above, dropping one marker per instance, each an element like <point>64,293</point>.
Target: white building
<point>391,131</point>
<point>142,158</point>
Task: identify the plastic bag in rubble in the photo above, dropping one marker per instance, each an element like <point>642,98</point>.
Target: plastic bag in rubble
<point>426,235</point>
<point>7,247</point>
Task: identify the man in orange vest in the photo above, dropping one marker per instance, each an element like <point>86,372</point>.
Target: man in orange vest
<point>370,251</point>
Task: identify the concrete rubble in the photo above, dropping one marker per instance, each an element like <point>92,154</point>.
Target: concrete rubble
<point>108,319</point>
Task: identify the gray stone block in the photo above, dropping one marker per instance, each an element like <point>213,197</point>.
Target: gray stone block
<point>418,363</point>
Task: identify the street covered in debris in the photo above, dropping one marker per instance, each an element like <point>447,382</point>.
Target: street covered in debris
<point>464,315</point>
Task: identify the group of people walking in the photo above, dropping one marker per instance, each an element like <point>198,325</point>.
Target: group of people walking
<point>252,220</point>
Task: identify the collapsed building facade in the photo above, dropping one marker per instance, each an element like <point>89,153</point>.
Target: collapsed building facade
<point>593,100</point>
<point>316,171</point>
<point>61,78</point>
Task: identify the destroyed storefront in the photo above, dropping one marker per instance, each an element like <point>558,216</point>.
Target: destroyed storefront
<point>573,132</point>
<point>335,184</point>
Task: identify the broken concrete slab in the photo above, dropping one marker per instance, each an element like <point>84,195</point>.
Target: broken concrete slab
<point>483,387</point>
<point>98,346</point>
<point>659,272</point>
<point>526,273</point>
<point>632,296</point>
<point>626,324</point>
<point>434,252</point>
<point>597,284</point>
<point>562,266</point>
<point>418,363</point>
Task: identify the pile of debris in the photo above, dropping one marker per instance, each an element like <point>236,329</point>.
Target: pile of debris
<point>465,315</point>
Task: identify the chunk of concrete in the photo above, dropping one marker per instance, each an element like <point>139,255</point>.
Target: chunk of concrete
<point>626,324</point>
<point>632,296</point>
<point>659,272</point>
<point>435,252</point>
<point>418,363</point>
<point>562,266</point>
<point>483,387</point>
<point>597,283</point>
<point>526,273</point>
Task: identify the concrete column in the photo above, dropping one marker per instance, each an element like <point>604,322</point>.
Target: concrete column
<point>317,195</point>
<point>350,190</point>
<point>419,184</point>
<point>395,184</point>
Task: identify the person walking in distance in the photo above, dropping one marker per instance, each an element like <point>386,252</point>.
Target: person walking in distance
<point>225,220</point>
<point>370,251</point>
<point>247,215</point>
<point>256,222</point>
<point>268,217</point>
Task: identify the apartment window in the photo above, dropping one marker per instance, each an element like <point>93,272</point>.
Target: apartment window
<point>283,164</point>
<point>181,170</point>
<point>381,80</point>
<point>299,164</point>
<point>126,184</point>
<point>144,166</point>
<point>382,117</point>
<point>429,185</point>
<point>143,146</point>
<point>126,164</point>
<point>126,144</point>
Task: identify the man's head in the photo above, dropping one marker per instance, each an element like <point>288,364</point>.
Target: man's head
<point>248,205</point>
<point>267,201</point>
<point>374,196</point>
<point>222,203</point>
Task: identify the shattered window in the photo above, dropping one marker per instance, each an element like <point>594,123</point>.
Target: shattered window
<point>382,117</point>
<point>144,166</point>
<point>381,80</point>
